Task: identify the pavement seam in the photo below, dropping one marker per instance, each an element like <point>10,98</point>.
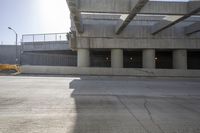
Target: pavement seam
<point>132,114</point>
<point>150,115</point>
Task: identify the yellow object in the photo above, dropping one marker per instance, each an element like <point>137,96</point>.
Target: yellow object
<point>8,67</point>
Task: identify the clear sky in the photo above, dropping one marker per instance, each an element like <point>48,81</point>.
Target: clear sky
<point>32,16</point>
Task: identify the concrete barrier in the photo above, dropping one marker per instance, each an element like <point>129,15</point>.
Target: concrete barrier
<point>60,70</point>
<point>45,46</point>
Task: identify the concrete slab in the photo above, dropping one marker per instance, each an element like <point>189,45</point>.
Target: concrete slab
<point>45,104</point>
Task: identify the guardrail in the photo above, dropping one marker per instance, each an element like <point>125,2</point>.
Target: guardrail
<point>44,37</point>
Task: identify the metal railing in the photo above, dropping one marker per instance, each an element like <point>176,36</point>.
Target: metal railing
<point>44,37</point>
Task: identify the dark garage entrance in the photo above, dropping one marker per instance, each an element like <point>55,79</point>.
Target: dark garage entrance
<point>132,59</point>
<point>164,59</point>
<point>193,59</point>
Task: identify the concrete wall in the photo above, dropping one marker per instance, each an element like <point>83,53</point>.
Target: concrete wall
<point>100,33</point>
<point>141,28</point>
<point>8,54</point>
<point>45,46</point>
<point>48,59</point>
<point>51,58</point>
<point>109,71</point>
<point>137,35</point>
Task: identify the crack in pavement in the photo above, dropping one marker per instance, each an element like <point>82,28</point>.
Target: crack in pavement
<point>132,114</point>
<point>150,115</point>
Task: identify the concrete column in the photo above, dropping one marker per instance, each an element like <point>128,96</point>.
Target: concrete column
<point>83,58</point>
<point>117,58</point>
<point>148,58</point>
<point>180,59</point>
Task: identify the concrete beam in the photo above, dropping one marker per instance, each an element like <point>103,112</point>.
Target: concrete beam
<point>125,6</point>
<point>194,28</point>
<point>75,15</point>
<point>136,9</point>
<point>166,24</point>
<point>139,43</point>
<point>115,17</point>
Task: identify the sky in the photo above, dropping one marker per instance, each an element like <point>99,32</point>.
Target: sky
<point>32,17</point>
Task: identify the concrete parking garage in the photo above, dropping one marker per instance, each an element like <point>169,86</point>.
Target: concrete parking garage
<point>89,104</point>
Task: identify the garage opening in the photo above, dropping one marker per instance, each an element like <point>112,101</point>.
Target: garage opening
<point>132,59</point>
<point>100,58</point>
<point>164,59</point>
<point>193,59</point>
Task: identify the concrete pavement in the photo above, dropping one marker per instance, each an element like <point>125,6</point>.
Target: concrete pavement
<point>45,104</point>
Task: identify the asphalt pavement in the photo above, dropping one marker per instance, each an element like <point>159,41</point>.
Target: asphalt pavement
<point>91,104</point>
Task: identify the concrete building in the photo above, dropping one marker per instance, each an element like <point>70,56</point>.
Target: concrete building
<point>136,33</point>
<point>119,37</point>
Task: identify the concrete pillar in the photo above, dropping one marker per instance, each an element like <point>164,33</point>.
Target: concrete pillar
<point>83,58</point>
<point>117,58</point>
<point>148,58</point>
<point>180,59</point>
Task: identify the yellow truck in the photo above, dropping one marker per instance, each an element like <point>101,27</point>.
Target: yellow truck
<point>7,67</point>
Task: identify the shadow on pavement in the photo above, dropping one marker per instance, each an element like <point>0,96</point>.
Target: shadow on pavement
<point>107,105</point>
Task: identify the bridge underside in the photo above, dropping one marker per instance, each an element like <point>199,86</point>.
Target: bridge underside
<point>136,34</point>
